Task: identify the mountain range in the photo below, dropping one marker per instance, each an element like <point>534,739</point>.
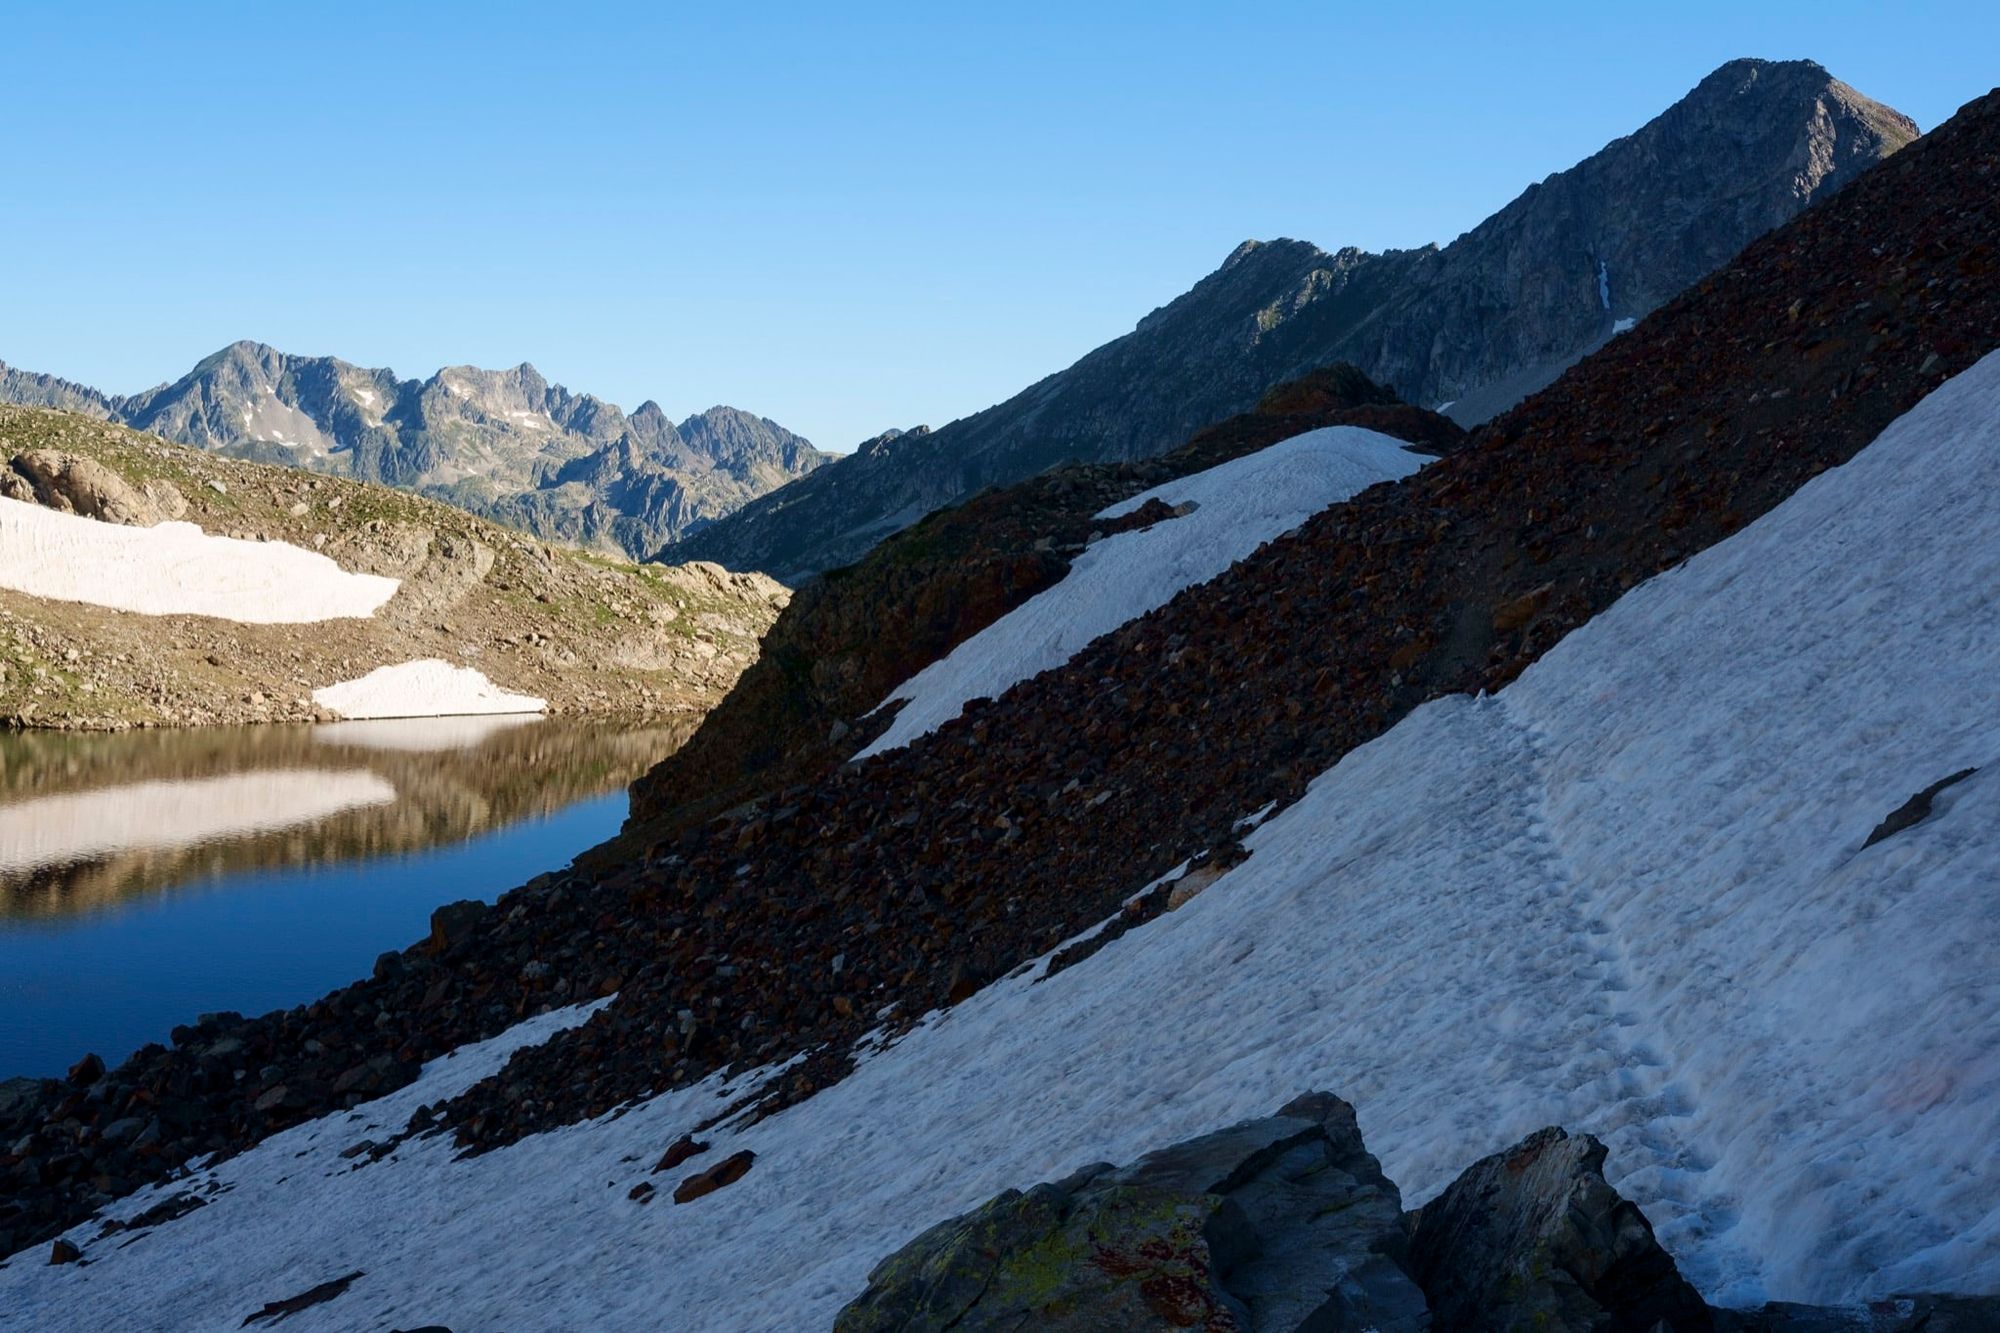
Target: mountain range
<point>1468,328</point>
<point>504,444</point>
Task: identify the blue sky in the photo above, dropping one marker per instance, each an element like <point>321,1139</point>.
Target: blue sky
<point>845,217</point>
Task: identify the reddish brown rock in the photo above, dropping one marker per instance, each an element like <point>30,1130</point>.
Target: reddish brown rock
<point>680,1151</point>
<point>725,1172</point>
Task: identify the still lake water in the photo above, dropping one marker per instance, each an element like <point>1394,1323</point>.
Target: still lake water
<point>148,877</point>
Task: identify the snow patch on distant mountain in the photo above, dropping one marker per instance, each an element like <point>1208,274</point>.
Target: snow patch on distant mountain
<point>1628,895</point>
<point>176,569</point>
<point>1239,505</point>
<point>429,687</point>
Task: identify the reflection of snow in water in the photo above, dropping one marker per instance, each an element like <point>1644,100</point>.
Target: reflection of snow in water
<point>54,830</point>
<point>422,735</point>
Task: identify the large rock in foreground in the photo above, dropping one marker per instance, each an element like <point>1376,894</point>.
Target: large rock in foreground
<point>1534,1238</point>
<point>1285,1223</point>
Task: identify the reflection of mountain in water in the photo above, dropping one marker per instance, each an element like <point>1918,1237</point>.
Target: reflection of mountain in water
<point>89,820</point>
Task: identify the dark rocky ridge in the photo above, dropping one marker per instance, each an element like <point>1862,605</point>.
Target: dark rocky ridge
<point>946,863</point>
<point>849,638</point>
<point>505,444</point>
<point>1485,320</point>
<point>1287,1225</point>
<point>32,390</point>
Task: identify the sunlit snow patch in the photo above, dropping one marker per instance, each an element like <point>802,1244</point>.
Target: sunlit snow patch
<point>1239,505</point>
<point>176,569</point>
<point>425,688</point>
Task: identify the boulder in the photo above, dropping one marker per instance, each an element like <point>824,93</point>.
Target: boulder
<point>1533,1237</point>
<point>78,485</point>
<point>18,1096</point>
<point>1284,1223</point>
<point>453,922</point>
<point>725,1172</point>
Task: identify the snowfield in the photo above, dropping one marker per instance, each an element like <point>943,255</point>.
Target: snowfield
<point>1241,505</point>
<point>428,687</point>
<point>57,830</point>
<point>176,569</point>
<point>1627,894</point>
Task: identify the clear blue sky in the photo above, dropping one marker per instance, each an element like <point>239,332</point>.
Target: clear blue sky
<point>845,217</point>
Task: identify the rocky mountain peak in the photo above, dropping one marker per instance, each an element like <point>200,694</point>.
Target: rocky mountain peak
<point>1470,328</point>
<point>506,444</point>
<point>739,440</point>
<point>650,425</point>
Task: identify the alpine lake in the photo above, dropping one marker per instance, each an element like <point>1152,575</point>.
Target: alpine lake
<point>147,877</point>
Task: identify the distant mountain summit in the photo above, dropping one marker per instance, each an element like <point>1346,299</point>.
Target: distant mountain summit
<point>1469,328</point>
<point>506,444</point>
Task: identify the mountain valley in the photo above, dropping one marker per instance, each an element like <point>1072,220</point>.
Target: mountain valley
<point>1448,789</point>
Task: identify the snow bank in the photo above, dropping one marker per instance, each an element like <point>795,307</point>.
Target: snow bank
<point>176,569</point>
<point>57,830</point>
<point>1241,505</point>
<point>1626,895</point>
<point>425,688</point>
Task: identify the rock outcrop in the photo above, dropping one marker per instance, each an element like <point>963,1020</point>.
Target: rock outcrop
<point>1280,1224</point>
<point>1533,1237</point>
<point>77,485</point>
<point>1287,1225</point>
<point>1471,327</point>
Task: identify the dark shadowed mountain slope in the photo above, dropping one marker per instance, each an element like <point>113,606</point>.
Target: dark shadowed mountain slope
<point>1477,324</point>
<point>930,869</point>
<point>505,444</point>
<point>851,637</point>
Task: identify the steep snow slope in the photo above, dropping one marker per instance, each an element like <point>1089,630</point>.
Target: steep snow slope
<point>1627,894</point>
<point>1239,506</point>
<point>177,569</point>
